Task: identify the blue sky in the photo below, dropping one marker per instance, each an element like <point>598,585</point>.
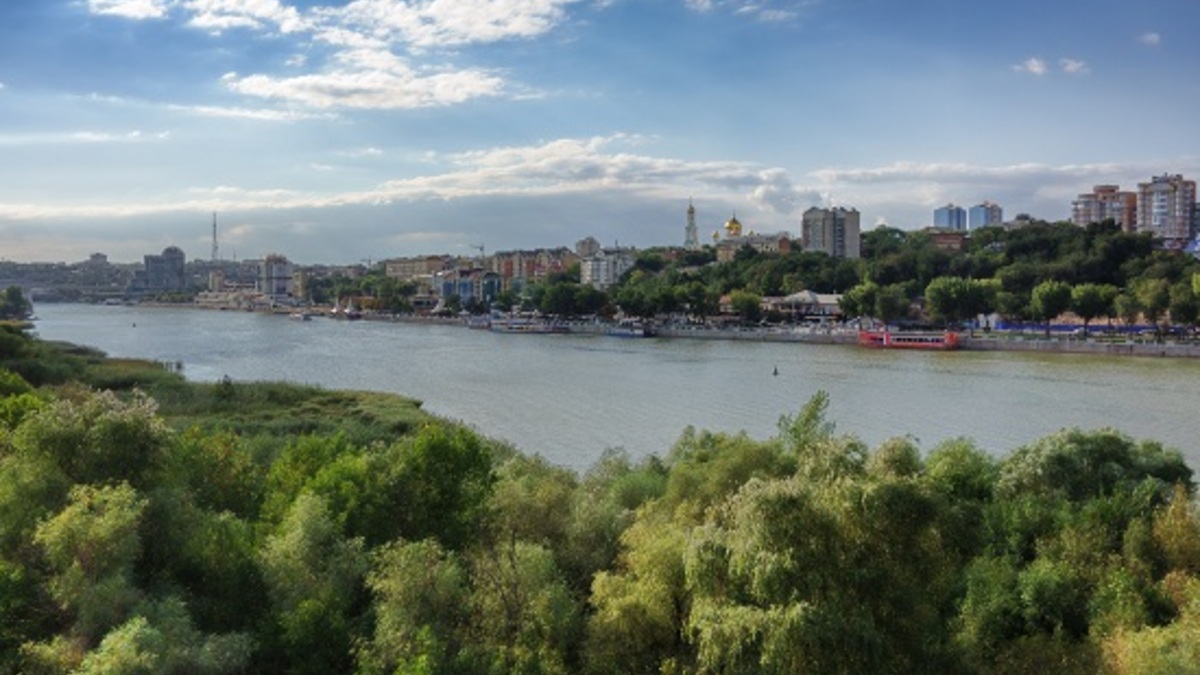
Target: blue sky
<point>337,131</point>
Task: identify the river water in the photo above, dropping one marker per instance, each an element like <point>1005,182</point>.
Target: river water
<point>570,397</point>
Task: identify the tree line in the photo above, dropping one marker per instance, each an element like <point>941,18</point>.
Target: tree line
<point>150,525</point>
<point>1029,274</point>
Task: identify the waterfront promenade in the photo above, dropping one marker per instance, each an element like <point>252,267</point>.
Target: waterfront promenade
<point>994,341</point>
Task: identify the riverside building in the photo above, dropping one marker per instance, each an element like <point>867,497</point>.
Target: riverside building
<point>1106,202</point>
<point>1167,208</point>
<point>985,215</point>
<point>834,231</point>
<point>950,217</point>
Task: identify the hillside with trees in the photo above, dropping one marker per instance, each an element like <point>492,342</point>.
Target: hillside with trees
<point>1026,275</point>
<point>151,525</point>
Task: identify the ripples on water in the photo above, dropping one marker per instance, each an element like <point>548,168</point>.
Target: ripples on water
<point>569,397</point>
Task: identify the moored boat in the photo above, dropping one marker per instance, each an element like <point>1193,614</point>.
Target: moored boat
<point>630,329</point>
<point>479,322</point>
<point>885,339</point>
<point>530,326</point>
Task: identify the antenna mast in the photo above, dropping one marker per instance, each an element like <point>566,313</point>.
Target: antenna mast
<point>214,246</point>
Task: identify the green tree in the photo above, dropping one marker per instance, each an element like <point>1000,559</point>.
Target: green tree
<point>1090,301</point>
<point>746,305</point>
<point>522,612</point>
<point>1049,299</point>
<point>1127,307</point>
<point>421,593</point>
<point>947,299</point>
<point>1154,297</point>
<point>99,439</point>
<point>860,300</point>
<point>1184,308</point>
<point>14,305</point>
<point>980,298</point>
<point>641,604</point>
<point>162,639</point>
<point>314,578</point>
<point>91,546</point>
<point>891,303</point>
<point>698,299</point>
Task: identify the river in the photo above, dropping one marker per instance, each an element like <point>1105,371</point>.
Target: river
<point>570,397</point>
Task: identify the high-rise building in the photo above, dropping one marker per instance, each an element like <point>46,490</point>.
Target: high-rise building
<point>833,231</point>
<point>1106,202</point>
<point>1166,207</point>
<point>161,273</point>
<point>587,247</point>
<point>275,277</point>
<point>691,237</point>
<point>950,217</point>
<point>605,267</point>
<point>984,215</point>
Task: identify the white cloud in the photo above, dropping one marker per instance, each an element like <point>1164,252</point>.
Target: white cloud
<point>904,172</point>
<point>364,70</point>
<point>1150,39</point>
<point>83,137</point>
<point>218,15</point>
<point>767,11</point>
<point>362,152</point>
<point>1074,66</point>
<point>374,80</point>
<point>259,114</point>
<point>776,15</point>
<point>1032,65</point>
<point>434,23</point>
<point>599,165</point>
<point>130,9</point>
<point>622,169</point>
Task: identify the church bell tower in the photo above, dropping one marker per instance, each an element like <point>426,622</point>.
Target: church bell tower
<point>691,239</point>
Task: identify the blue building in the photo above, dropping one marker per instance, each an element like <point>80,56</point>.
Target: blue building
<point>950,217</point>
<point>986,214</point>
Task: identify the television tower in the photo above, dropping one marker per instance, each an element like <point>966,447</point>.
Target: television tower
<point>214,246</point>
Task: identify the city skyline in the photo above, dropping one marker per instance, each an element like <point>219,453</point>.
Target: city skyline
<point>336,131</point>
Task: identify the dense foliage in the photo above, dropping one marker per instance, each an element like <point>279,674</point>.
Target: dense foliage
<point>14,305</point>
<point>201,537</point>
<point>1031,273</point>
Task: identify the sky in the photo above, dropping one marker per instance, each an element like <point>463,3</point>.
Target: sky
<point>336,131</point>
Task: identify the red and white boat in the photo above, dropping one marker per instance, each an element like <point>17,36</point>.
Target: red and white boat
<point>884,339</point>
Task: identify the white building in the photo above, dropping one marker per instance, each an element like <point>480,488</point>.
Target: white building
<point>603,269</point>
<point>833,231</point>
<point>275,278</point>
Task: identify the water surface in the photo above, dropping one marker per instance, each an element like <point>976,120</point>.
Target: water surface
<point>569,397</point>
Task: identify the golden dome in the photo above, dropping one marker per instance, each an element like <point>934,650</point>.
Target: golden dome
<point>733,228</point>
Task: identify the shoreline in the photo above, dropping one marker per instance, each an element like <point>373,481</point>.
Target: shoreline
<point>992,342</point>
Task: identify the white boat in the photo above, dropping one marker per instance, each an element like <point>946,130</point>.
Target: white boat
<point>479,322</point>
<point>530,326</point>
<point>630,329</point>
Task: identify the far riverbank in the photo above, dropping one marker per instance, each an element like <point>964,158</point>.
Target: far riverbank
<point>829,335</point>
